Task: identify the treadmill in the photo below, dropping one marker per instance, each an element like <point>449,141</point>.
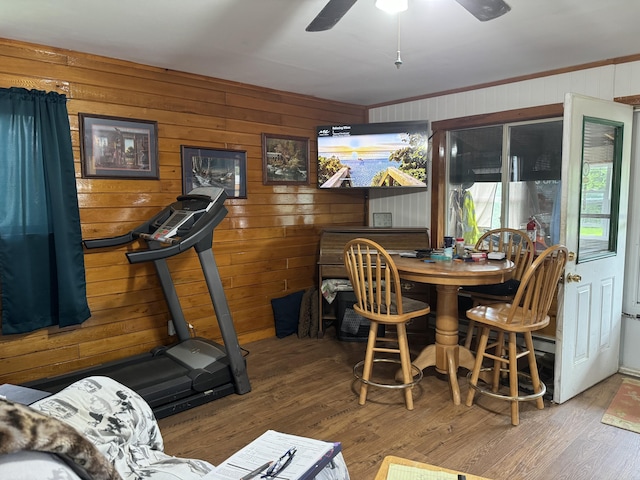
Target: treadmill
<point>195,370</point>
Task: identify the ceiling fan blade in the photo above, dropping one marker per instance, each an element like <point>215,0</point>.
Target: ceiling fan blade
<point>485,10</point>
<point>331,14</point>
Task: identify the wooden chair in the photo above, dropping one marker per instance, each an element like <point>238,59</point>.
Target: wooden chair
<point>527,313</point>
<point>376,284</point>
<point>518,248</point>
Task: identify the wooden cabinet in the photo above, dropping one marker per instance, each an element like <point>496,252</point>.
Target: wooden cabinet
<point>331,260</point>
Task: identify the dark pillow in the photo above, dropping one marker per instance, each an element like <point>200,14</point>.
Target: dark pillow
<point>286,312</point>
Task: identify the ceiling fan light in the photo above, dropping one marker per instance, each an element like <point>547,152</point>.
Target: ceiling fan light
<point>392,6</point>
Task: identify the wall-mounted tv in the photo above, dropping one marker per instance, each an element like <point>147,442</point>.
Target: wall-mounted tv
<point>373,155</point>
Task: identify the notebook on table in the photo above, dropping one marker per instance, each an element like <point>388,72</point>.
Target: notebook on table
<point>310,458</point>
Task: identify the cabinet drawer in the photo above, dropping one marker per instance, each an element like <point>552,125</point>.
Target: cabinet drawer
<point>332,271</point>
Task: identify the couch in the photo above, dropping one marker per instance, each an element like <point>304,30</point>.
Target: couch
<point>113,419</point>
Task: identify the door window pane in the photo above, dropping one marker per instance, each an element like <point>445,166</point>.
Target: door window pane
<point>601,157</point>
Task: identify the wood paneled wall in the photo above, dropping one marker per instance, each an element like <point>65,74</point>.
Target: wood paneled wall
<point>265,248</point>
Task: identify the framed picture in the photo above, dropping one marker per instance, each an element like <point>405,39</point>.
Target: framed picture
<point>382,219</point>
<point>209,167</point>
<point>285,160</point>
<point>113,147</point>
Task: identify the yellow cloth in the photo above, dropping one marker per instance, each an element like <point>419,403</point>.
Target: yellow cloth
<point>469,224</point>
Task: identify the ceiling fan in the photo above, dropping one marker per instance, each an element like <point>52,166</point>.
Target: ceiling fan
<point>334,10</point>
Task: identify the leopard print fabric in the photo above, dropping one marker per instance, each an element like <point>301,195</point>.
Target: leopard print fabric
<point>22,428</point>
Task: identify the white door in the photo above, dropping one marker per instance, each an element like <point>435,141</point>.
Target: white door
<point>596,153</point>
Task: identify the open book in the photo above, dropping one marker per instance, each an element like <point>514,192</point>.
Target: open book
<point>310,458</point>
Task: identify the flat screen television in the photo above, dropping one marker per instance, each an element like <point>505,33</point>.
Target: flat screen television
<point>373,155</point>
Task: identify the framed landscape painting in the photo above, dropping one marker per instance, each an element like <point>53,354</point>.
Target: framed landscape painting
<point>213,167</point>
<point>285,160</point>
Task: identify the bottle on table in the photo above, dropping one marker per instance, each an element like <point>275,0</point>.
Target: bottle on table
<point>532,228</point>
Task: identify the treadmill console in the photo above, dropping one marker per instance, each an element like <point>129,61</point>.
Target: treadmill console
<point>184,214</point>
<point>169,228</point>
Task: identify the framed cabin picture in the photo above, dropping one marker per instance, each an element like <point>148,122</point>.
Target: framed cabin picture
<point>114,147</point>
<point>285,160</point>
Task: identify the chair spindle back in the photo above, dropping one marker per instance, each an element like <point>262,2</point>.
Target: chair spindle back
<point>516,245</point>
<point>374,277</point>
<point>538,286</point>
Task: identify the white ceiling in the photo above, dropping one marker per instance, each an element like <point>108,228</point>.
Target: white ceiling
<point>264,42</point>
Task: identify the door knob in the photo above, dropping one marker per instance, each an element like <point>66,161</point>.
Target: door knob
<point>574,277</point>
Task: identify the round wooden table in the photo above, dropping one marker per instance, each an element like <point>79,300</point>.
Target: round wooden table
<point>449,276</point>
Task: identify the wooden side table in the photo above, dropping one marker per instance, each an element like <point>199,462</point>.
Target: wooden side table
<point>388,460</point>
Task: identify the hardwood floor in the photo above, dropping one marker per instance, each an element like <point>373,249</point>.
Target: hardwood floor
<point>305,387</point>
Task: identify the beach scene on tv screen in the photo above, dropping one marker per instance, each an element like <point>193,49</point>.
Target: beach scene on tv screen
<point>372,160</point>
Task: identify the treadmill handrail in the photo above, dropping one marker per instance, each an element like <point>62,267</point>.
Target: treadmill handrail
<point>127,237</point>
<point>109,242</point>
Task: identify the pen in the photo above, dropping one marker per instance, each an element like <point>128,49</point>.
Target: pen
<point>256,471</point>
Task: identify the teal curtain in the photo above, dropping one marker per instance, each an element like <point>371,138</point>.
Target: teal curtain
<point>41,257</point>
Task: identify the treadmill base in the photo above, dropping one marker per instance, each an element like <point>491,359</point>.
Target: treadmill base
<point>196,400</point>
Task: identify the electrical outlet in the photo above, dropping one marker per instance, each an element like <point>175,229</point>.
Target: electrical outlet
<point>172,329</point>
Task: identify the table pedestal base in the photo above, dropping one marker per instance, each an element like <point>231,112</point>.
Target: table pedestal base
<point>451,357</point>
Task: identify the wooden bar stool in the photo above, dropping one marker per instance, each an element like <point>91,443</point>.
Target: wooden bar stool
<point>527,313</point>
<point>376,284</point>
<point>518,248</point>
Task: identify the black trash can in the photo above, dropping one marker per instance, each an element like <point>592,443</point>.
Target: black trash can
<point>351,327</point>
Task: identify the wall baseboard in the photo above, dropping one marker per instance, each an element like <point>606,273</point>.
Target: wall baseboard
<point>629,371</point>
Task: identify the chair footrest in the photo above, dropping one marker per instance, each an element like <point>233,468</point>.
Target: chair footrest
<point>416,374</point>
<point>502,396</point>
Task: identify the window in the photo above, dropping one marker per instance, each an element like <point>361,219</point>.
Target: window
<point>504,175</point>
<point>600,178</point>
